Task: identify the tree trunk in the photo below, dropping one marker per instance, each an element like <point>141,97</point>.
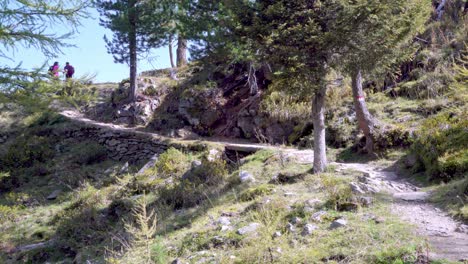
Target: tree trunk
<point>365,120</point>
<point>181,51</point>
<point>133,50</point>
<point>171,55</point>
<point>318,119</point>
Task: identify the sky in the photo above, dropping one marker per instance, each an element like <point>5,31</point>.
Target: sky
<point>90,54</point>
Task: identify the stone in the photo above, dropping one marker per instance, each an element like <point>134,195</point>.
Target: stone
<point>213,155</point>
<point>113,142</point>
<point>355,188</point>
<point>54,195</point>
<point>277,234</point>
<point>225,228</point>
<point>290,228</point>
<point>177,261</point>
<point>186,133</point>
<point>338,223</point>
<point>462,229</point>
<point>249,229</point>
<point>124,168</point>
<point>196,164</point>
<point>296,220</point>
<point>245,176</point>
<point>365,200</point>
<point>317,217</point>
<point>312,202</point>
<point>309,229</point>
<point>224,221</point>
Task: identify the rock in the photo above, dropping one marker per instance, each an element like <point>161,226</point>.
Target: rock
<point>309,229</point>
<point>177,261</point>
<point>312,202</point>
<point>223,220</point>
<point>290,228</point>
<point>225,228</point>
<point>245,176</point>
<point>186,133</point>
<point>54,195</point>
<point>410,160</point>
<point>249,229</point>
<point>296,220</point>
<point>113,142</point>
<point>365,200</point>
<point>277,234</point>
<point>196,164</point>
<point>124,168</point>
<point>213,155</point>
<point>317,217</point>
<point>462,229</point>
<point>355,188</point>
<point>338,223</point>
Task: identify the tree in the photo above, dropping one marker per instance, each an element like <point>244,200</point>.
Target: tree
<point>295,37</point>
<point>370,35</point>
<point>25,24</point>
<point>130,21</point>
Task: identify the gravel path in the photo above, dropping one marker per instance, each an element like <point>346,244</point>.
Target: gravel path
<point>447,237</point>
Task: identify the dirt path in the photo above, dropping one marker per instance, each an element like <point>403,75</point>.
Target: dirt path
<point>447,239</point>
<point>446,236</point>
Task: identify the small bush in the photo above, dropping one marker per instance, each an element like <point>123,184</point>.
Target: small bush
<point>9,213</point>
<point>26,151</point>
<point>338,191</point>
<point>172,163</point>
<point>440,147</point>
<point>253,193</point>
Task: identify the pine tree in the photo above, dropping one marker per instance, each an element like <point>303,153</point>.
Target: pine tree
<point>136,30</point>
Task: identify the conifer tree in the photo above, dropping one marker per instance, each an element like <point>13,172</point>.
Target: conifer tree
<point>370,35</point>
<point>136,29</point>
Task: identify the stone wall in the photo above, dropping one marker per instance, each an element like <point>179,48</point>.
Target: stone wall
<point>131,146</point>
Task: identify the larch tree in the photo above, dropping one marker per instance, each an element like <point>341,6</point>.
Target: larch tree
<point>26,24</point>
<point>370,35</point>
<point>129,21</point>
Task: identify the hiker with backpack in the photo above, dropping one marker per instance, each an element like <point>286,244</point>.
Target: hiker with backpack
<point>69,71</point>
<point>54,70</point>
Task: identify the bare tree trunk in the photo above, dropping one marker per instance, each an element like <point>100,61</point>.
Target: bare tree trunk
<point>365,120</point>
<point>171,54</point>
<point>318,119</point>
<point>133,51</point>
<point>252,80</point>
<point>181,51</point>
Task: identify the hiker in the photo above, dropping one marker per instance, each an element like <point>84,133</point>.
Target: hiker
<point>54,70</point>
<point>69,71</point>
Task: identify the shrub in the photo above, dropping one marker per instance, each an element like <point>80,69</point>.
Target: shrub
<point>258,191</point>
<point>200,184</point>
<point>172,163</point>
<point>440,146</point>
<point>26,151</point>
<point>338,191</point>
<point>9,213</point>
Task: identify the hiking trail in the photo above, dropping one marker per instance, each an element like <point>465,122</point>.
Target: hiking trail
<point>447,238</point>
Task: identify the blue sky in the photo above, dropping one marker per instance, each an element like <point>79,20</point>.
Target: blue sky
<point>90,54</point>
